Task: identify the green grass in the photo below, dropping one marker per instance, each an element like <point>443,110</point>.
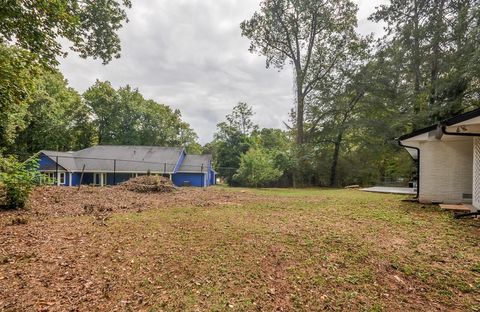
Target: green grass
<point>318,248</point>
<point>304,249</point>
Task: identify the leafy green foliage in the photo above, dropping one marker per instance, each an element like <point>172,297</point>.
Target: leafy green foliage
<point>18,179</point>
<point>240,119</point>
<point>437,44</point>
<point>18,70</point>
<point>90,26</point>
<point>232,140</point>
<point>124,116</point>
<point>312,35</point>
<point>257,168</point>
<point>57,118</point>
<point>352,104</point>
<point>229,145</point>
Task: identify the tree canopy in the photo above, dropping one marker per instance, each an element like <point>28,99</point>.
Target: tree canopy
<point>89,26</point>
<point>311,35</point>
<point>59,118</point>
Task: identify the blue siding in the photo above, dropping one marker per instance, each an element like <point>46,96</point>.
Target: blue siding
<point>195,179</point>
<point>212,179</point>
<point>119,178</point>
<point>87,178</point>
<point>46,163</point>
<point>76,179</point>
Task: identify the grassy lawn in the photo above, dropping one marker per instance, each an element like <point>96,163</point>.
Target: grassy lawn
<point>284,250</point>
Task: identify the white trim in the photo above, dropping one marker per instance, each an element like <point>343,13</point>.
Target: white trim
<point>99,178</point>
<point>70,179</point>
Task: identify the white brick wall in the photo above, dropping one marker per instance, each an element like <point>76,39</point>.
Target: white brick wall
<point>446,170</point>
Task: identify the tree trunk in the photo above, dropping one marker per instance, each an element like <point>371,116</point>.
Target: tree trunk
<point>336,154</point>
<point>416,58</point>
<point>300,116</point>
<point>435,62</point>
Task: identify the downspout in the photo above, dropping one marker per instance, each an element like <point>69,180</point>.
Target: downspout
<point>418,165</point>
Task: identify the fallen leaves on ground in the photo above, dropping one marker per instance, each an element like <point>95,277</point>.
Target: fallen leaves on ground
<point>110,249</point>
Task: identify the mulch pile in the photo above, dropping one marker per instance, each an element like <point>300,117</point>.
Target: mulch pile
<point>54,201</point>
<point>149,184</point>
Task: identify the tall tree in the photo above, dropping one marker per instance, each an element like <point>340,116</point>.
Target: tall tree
<point>57,118</point>
<point>232,140</point>
<point>312,35</point>
<point>124,116</point>
<point>241,118</point>
<point>103,99</point>
<point>37,26</point>
<point>335,102</point>
<point>438,39</point>
<point>18,71</point>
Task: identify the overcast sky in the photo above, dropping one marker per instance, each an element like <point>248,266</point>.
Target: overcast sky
<point>189,54</point>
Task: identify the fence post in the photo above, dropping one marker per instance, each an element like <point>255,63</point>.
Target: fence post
<point>114,172</point>
<point>81,177</point>
<point>164,168</point>
<point>56,171</point>
<point>203,180</point>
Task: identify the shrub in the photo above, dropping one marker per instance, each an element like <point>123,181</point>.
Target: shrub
<point>257,168</point>
<point>18,180</point>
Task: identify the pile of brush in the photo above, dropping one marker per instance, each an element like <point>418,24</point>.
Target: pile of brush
<point>149,184</point>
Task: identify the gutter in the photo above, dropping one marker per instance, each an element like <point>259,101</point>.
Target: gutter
<point>469,134</point>
<point>418,166</point>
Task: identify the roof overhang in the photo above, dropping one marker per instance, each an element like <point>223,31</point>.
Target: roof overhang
<point>464,123</point>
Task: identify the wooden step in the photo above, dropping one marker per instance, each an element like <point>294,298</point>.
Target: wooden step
<point>459,207</point>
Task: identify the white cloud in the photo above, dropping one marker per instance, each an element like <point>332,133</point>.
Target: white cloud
<point>189,54</point>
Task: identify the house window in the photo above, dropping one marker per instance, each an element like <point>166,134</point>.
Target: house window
<point>99,179</point>
<point>50,178</point>
<point>61,177</point>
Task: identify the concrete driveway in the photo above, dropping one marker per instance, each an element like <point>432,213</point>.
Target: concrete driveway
<point>390,190</point>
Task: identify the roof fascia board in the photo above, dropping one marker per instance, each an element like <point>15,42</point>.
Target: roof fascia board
<point>446,122</point>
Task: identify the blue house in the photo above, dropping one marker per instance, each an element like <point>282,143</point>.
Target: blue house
<point>112,164</point>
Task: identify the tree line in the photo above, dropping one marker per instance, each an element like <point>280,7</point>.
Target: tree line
<point>57,117</point>
<point>354,94</point>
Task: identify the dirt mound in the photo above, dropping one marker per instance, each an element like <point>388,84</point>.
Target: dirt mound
<point>149,184</point>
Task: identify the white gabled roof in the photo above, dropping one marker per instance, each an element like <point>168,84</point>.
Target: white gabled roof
<point>196,163</point>
<point>128,158</point>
